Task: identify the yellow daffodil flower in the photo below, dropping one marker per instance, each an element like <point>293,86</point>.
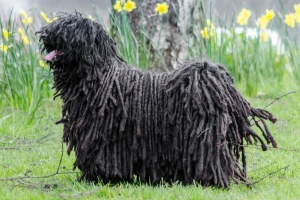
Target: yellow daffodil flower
<point>264,36</point>
<point>45,17</point>
<point>290,20</point>
<point>206,33</point>
<point>262,22</point>
<point>25,40</point>
<point>49,21</point>
<point>297,17</point>
<point>42,63</point>
<point>270,14</point>
<point>243,16</point>
<point>23,13</point>
<point>297,8</point>
<point>27,20</point>
<point>209,24</point>
<point>91,17</point>
<point>21,31</point>
<point>118,6</point>
<point>162,8</point>
<point>4,48</point>
<point>5,34</point>
<point>129,6</point>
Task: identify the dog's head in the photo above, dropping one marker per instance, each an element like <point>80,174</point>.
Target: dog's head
<point>73,40</point>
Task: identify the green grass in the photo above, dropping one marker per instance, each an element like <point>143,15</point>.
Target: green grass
<point>35,150</point>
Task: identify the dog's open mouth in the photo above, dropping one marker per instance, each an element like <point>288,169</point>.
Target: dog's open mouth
<point>50,56</point>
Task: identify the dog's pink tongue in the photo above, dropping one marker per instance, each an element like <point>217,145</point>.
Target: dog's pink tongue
<point>50,55</point>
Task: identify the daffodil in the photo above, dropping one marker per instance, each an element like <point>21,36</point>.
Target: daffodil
<point>297,17</point>
<point>49,21</point>
<point>5,34</point>
<point>23,13</point>
<point>269,14</point>
<point>262,22</point>
<point>162,8</point>
<point>27,20</point>
<point>243,16</point>
<point>118,6</point>
<point>45,17</point>
<point>206,33</point>
<point>42,63</point>
<point>290,20</point>
<point>129,6</point>
<point>209,24</point>
<point>21,31</point>
<point>91,17</point>
<point>264,36</point>
<point>25,40</point>
<point>297,8</point>
<point>4,48</point>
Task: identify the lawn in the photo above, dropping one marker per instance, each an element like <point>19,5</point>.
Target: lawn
<point>34,163</point>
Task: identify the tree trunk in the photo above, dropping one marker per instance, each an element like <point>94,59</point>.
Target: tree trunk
<point>168,34</point>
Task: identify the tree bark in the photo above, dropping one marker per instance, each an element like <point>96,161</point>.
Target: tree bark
<point>170,35</point>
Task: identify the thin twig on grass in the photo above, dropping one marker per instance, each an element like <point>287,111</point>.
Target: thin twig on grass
<point>276,99</point>
<point>262,167</point>
<point>255,182</point>
<point>11,148</point>
<point>24,141</point>
<point>47,176</point>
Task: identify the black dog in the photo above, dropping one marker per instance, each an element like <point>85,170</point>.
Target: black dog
<point>186,125</point>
